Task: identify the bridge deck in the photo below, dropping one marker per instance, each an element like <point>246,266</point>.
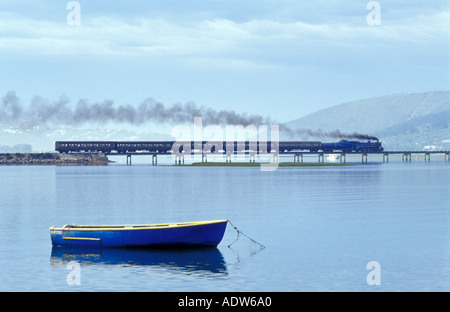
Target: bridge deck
<point>284,152</point>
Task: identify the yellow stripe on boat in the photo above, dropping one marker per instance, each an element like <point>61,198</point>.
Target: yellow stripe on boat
<point>83,238</point>
<point>131,227</point>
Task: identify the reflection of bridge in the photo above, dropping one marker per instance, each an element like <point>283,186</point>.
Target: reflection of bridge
<point>298,156</point>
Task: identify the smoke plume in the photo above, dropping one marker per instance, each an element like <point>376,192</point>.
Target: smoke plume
<point>42,112</point>
<point>325,134</point>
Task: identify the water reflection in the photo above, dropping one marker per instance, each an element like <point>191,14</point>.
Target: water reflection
<point>208,261</point>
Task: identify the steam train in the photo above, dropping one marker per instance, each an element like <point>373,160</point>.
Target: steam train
<point>168,147</point>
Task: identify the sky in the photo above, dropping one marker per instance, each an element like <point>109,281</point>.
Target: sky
<point>279,59</point>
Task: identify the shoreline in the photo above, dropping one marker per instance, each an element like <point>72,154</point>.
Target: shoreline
<point>87,159</point>
<point>30,159</point>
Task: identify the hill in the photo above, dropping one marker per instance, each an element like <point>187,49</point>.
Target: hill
<point>412,120</point>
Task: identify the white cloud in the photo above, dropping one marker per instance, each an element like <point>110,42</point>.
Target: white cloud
<point>253,41</point>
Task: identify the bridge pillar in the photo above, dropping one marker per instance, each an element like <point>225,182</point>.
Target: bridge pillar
<point>362,158</point>
<point>275,158</point>
<point>319,157</point>
<point>405,157</point>
<point>297,158</point>
<point>179,159</point>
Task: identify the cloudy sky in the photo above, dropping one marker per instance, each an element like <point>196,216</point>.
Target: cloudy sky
<point>282,59</point>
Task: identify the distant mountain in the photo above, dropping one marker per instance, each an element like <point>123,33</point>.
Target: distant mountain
<point>412,120</point>
<point>18,148</point>
<point>430,122</point>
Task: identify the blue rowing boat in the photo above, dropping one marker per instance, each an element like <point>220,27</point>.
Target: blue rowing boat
<point>184,234</point>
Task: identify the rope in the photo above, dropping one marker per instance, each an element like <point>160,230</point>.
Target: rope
<point>239,232</point>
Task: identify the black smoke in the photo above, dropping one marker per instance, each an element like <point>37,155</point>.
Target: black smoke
<point>42,112</point>
<point>325,134</point>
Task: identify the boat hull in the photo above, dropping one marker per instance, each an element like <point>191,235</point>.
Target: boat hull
<point>186,234</point>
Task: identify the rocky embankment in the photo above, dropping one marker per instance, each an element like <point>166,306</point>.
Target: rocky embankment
<point>53,159</point>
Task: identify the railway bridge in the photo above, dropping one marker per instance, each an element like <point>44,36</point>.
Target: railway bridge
<point>297,157</point>
<point>267,151</point>
<point>405,154</point>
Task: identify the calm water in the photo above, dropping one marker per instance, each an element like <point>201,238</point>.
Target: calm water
<point>321,227</point>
